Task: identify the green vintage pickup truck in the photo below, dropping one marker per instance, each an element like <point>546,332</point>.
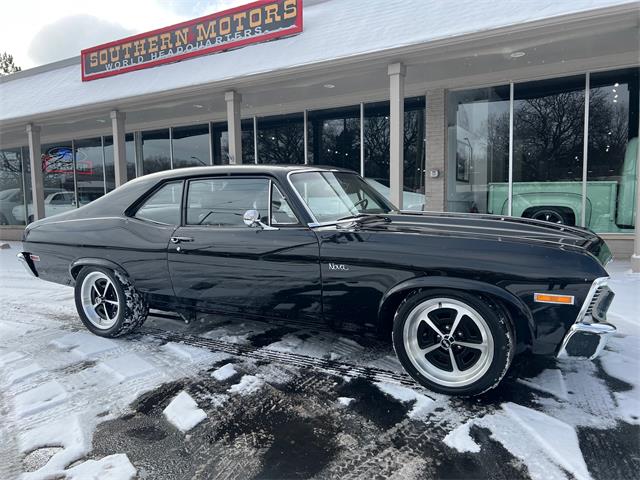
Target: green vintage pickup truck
<point>609,206</point>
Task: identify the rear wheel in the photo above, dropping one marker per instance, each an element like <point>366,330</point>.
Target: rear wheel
<point>558,215</point>
<point>107,302</point>
<point>452,342</point>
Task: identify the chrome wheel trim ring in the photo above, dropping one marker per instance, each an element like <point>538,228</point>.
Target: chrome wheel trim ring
<point>418,355</point>
<point>100,300</point>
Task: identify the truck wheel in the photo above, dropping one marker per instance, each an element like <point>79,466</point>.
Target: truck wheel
<point>452,342</point>
<point>107,302</point>
<point>553,215</point>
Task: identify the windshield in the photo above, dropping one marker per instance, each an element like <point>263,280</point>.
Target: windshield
<point>335,195</point>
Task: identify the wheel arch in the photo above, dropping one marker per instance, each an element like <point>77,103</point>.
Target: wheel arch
<point>514,309</point>
<point>77,265</point>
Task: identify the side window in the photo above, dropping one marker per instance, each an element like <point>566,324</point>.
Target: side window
<point>222,202</point>
<point>281,212</point>
<point>164,205</point>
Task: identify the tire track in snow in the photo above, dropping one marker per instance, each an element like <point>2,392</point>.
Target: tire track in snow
<point>333,367</point>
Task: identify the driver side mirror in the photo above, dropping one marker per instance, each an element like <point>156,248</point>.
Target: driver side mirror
<point>251,218</point>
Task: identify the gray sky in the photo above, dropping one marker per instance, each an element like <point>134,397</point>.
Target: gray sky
<point>36,32</point>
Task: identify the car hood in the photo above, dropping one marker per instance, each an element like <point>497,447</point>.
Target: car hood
<point>494,227</point>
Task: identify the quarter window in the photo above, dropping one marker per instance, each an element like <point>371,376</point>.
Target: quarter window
<point>164,205</point>
<point>222,202</point>
<point>281,212</point>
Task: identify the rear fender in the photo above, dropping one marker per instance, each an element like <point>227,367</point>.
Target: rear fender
<point>516,310</point>
<point>77,265</point>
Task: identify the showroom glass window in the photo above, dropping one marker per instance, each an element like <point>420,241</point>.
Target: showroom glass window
<point>89,169</point>
<point>156,154</point>
<point>57,176</point>
<point>281,139</point>
<point>190,146</point>
<point>334,137</point>
<point>130,152</point>
<point>613,151</point>
<point>376,150</point>
<point>220,142</point>
<point>12,202</point>
<point>478,150</point>
<point>548,134</point>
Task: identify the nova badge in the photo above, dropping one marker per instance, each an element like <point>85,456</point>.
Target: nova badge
<point>338,266</point>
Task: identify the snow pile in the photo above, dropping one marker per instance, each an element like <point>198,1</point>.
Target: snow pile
<point>113,467</point>
<point>422,405</point>
<point>345,401</point>
<point>460,439</point>
<point>248,384</point>
<point>224,373</point>
<point>183,412</point>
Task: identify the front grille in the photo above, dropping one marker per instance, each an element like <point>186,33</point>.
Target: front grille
<point>594,300</point>
<point>599,304</point>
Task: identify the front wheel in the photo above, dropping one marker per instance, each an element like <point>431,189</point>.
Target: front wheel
<point>107,302</point>
<point>452,342</point>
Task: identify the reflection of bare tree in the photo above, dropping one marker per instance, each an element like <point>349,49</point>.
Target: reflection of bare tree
<point>548,135</point>
<point>414,150</point>
<point>281,144</point>
<point>10,170</point>
<point>608,134</point>
<point>497,127</point>
<point>156,163</point>
<point>339,142</point>
<point>376,140</point>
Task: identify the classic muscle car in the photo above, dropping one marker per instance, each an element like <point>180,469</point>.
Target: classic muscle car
<point>458,295</point>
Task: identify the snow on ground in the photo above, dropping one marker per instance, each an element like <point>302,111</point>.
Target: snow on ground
<point>58,382</point>
<point>183,412</point>
<point>113,467</point>
<point>224,373</point>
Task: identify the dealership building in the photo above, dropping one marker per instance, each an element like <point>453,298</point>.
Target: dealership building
<point>512,108</point>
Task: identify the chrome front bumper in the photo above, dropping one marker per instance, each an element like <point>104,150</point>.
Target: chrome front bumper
<point>588,336</point>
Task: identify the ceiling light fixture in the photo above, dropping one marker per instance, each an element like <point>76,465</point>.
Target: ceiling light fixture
<point>197,105</point>
<point>101,120</point>
<point>517,54</point>
<point>329,85</point>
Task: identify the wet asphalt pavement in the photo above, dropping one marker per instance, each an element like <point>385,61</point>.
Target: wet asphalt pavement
<point>295,426</point>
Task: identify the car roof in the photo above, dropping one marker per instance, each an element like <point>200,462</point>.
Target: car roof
<point>239,169</point>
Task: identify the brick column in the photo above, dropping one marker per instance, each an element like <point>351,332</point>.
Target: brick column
<point>436,151</point>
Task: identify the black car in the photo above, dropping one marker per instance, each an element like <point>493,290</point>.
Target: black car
<point>459,295</point>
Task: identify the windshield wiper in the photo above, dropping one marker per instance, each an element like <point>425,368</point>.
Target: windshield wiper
<point>362,218</point>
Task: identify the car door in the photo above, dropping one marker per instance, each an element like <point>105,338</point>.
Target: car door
<point>218,263</point>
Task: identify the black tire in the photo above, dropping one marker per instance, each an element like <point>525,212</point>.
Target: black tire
<point>132,309</point>
<point>491,367</point>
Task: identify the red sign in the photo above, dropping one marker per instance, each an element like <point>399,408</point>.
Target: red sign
<point>253,23</point>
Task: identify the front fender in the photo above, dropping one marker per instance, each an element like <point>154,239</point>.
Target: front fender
<point>518,312</point>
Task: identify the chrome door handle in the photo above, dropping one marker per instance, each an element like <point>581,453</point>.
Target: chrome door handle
<point>181,239</point>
